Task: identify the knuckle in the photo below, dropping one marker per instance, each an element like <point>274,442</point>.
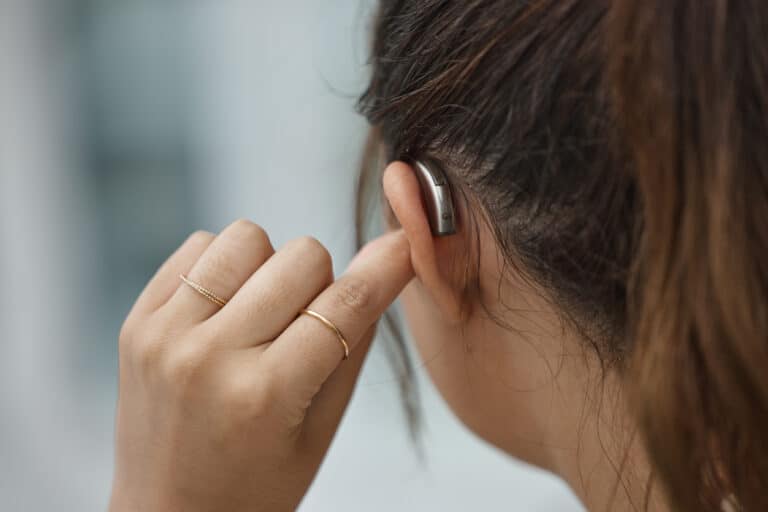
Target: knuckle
<point>250,230</point>
<point>244,407</point>
<point>125,336</point>
<point>218,268</point>
<point>316,252</point>
<point>252,399</point>
<point>149,346</point>
<point>354,293</point>
<point>185,365</point>
<point>149,352</point>
<point>200,237</point>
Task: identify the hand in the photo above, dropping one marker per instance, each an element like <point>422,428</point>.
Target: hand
<point>234,407</point>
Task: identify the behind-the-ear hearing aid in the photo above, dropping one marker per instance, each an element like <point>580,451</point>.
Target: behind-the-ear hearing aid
<point>436,192</point>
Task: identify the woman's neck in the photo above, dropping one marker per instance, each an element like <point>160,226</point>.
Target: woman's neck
<point>606,464</point>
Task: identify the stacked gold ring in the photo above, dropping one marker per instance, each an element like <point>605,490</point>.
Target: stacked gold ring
<point>208,294</point>
<point>205,292</point>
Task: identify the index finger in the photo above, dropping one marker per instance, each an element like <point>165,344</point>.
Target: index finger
<point>307,351</point>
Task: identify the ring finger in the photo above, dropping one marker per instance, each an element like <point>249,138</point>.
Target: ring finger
<point>240,249</point>
<point>271,298</point>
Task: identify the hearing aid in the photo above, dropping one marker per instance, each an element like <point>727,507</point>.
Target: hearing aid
<point>436,191</point>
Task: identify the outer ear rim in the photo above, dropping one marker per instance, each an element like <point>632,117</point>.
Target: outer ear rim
<point>431,255</point>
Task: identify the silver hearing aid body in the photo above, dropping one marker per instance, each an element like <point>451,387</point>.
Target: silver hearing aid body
<point>436,192</point>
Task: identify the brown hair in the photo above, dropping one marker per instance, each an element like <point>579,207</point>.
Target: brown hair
<point>615,148</point>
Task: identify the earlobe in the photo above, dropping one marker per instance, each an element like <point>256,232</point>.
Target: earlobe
<point>433,258</point>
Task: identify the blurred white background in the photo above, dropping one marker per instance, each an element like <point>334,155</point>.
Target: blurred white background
<point>124,126</point>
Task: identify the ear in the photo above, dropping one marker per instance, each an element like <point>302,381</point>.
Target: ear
<point>434,259</point>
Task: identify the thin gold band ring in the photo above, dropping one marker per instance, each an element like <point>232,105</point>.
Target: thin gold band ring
<point>208,294</point>
<point>205,292</point>
<point>332,327</point>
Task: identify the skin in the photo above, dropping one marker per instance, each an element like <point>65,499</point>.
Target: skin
<point>536,390</point>
<point>234,407</point>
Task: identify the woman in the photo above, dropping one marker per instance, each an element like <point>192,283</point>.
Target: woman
<point>600,312</point>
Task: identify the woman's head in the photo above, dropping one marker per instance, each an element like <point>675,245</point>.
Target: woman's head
<point>611,202</point>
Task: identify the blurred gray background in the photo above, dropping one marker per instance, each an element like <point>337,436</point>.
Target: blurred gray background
<point>124,126</point>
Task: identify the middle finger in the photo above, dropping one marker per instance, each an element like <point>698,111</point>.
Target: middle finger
<point>271,298</point>
<point>223,268</point>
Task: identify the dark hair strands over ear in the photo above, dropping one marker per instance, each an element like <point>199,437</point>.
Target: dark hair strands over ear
<point>615,149</point>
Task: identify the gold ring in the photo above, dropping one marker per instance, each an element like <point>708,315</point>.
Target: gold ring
<point>330,325</point>
<point>205,292</point>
